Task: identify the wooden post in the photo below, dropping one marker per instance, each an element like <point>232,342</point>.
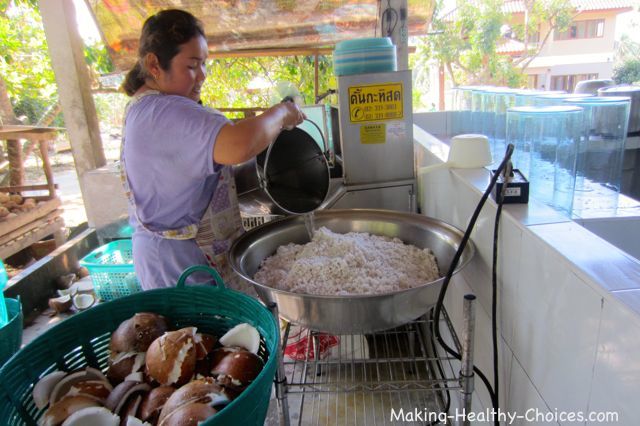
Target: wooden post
<point>16,167</point>
<point>315,78</point>
<point>74,85</point>
<point>46,166</point>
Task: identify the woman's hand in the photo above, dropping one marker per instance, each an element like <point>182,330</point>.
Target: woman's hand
<point>293,116</point>
<point>237,143</point>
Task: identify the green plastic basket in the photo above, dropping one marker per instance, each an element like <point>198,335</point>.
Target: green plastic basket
<point>111,269</point>
<point>11,332</point>
<point>83,340</point>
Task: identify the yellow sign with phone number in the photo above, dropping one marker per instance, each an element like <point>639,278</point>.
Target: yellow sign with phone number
<point>376,102</point>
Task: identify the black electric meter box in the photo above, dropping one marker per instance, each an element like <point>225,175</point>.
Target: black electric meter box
<point>517,191</point>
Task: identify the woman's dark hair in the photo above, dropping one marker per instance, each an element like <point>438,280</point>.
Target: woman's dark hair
<point>162,35</point>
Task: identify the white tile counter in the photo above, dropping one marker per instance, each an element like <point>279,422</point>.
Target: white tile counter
<point>568,302</point>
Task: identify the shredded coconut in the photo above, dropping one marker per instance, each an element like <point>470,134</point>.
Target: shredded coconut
<point>347,264</point>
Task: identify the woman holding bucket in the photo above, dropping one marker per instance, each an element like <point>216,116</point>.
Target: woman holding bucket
<point>176,155</point>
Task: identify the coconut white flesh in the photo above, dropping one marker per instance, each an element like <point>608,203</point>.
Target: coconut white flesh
<point>135,377</point>
<point>244,335</point>
<point>176,370</point>
<point>94,416</point>
<point>42,389</point>
<point>83,301</point>
<point>84,285</point>
<point>134,421</point>
<point>138,363</point>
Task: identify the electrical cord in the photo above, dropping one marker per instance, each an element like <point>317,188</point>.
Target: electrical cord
<point>440,371</point>
<point>507,174</point>
<point>456,258</point>
<point>390,19</point>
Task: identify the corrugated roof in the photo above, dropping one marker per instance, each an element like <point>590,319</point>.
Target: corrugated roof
<point>585,5</point>
<point>510,46</point>
<point>235,26</point>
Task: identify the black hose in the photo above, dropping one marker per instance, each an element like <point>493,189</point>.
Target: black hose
<point>454,263</point>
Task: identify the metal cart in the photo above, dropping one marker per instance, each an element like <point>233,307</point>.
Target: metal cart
<point>381,378</point>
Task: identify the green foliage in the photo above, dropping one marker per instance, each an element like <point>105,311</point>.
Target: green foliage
<point>25,65</point>
<point>24,62</point>
<point>228,83</point>
<point>466,41</point>
<point>628,72</point>
<point>98,59</point>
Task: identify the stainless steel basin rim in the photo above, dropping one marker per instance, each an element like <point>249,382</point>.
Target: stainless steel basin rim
<point>351,313</point>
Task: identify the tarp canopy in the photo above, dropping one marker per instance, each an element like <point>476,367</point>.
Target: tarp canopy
<point>234,26</point>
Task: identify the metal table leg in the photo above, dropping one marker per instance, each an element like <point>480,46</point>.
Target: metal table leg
<point>281,378</point>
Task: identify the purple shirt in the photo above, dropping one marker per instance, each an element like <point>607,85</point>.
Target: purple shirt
<point>169,162</point>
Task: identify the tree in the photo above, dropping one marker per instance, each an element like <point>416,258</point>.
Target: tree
<point>229,78</point>
<point>466,40</point>
<point>28,90</point>
<point>24,62</point>
<point>628,72</point>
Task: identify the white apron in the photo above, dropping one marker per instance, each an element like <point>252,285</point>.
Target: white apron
<point>219,226</point>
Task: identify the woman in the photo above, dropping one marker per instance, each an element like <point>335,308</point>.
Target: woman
<point>176,155</point>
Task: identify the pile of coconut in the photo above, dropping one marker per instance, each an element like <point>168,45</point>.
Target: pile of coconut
<point>11,205</point>
<point>154,377</point>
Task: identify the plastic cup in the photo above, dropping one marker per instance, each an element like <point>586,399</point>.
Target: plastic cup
<point>546,141</point>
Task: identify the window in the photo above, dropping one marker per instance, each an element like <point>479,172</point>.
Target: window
<point>582,29</point>
<point>568,82</point>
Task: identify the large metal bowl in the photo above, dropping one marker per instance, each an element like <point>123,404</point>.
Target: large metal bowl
<point>358,313</point>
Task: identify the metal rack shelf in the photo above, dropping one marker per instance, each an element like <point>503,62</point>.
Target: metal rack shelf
<point>362,379</point>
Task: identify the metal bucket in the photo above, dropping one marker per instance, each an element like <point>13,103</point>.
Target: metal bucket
<point>291,176</point>
<point>355,313</point>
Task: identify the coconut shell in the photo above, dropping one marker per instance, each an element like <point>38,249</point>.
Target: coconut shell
<point>189,415</point>
<point>58,412</point>
<point>123,364</point>
<point>122,393</point>
<point>153,402</point>
<point>130,408</point>
<point>64,385</point>
<point>137,333</point>
<point>97,389</point>
<point>42,390</point>
<point>205,391</point>
<point>204,345</point>
<point>171,359</point>
<point>93,416</point>
<point>237,369</point>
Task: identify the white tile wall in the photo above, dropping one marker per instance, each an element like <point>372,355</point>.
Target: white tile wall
<point>554,337</point>
<point>483,352</point>
<point>525,400</point>
<point>509,255</point>
<point>570,323</point>
<point>616,376</point>
<point>602,265</point>
<point>623,233</point>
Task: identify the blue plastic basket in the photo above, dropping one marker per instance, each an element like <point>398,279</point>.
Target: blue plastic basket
<point>111,269</point>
